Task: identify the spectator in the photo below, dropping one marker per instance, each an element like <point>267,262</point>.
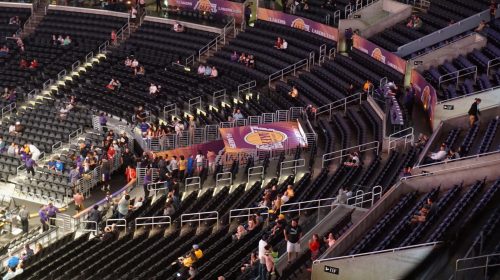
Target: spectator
<point>169,209</point>
<point>279,43</point>
<point>59,165</point>
<point>294,93</point>
<point>178,27</point>
<point>128,62</point>
<point>20,44</point>
<point>66,41</point>
<point>23,64</point>
<point>421,140</point>
<point>141,71</point>
<point>133,14</point>
<point>350,90</point>
<point>262,256</point>
<point>38,248</point>
<point>270,257</point>
<point>28,252</point>
<point>34,64</point>
<point>293,234</point>
<point>252,265</point>
<point>280,224</point>
<point>409,100</point>
<point>474,112</point>
<point>14,20</point>
<point>348,34</point>
<point>426,211</point>
<point>330,240</point>
<point>52,213</point>
<point>342,196</point>
<point>123,206</point>
<point>240,232</point>
<point>43,218</point>
<point>110,233</point>
<point>242,58</point>
<point>153,89</point>
<point>138,203</point>
<point>234,57</point>
<point>437,156</point>
<point>284,44</point>
<point>237,115</point>
<point>201,69</point>
<point>182,167</point>
<point>197,251</point>
<point>113,85</point>
<point>4,51</point>
<point>252,223</point>
<point>251,61</point>
<point>215,73</point>
<point>30,165</point>
<point>78,198</point>
<point>173,167</point>
<point>211,161</point>
<point>24,216</point>
<point>94,215</point>
<point>114,38</point>
<point>314,246</point>
<point>190,166</point>
<point>60,39</point>
<point>130,173</point>
<point>208,71</point>
<point>406,172</point>
<point>367,86</point>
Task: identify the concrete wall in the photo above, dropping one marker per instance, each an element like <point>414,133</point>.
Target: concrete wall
<point>383,265</point>
<point>394,11</point>
<point>449,52</point>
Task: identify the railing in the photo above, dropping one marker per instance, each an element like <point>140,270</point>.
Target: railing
<point>152,187</point>
<point>83,227</point>
<point>455,76</point>
<point>248,212</point>
<point>199,217</point>
<point>406,135</point>
<point>336,17</point>
<point>342,103</point>
<point>492,63</point>
<point>447,161</point>
<point>118,223</point>
<point>446,44</point>
<point>192,181</point>
<point>470,264</point>
<point>361,198</point>
<point>218,95</point>
<point>256,171</point>
<point>292,165</point>
<point>316,204</point>
<point>377,252</point>
<point>73,135</point>
<point>7,109</point>
<point>170,109</point>
<point>289,69</point>
<point>359,5</point>
<point>150,221</point>
<point>245,88</point>
<point>339,154</point>
<point>224,179</point>
<point>470,94</point>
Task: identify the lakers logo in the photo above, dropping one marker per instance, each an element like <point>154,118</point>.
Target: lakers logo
<point>377,54</point>
<point>204,6</point>
<point>265,138</point>
<point>299,24</point>
<point>426,97</point>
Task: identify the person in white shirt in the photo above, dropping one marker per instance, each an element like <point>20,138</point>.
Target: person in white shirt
<point>262,257</point>
<point>201,69</point>
<point>438,156</point>
<point>138,203</point>
<point>284,45</point>
<point>153,89</point>
<point>135,63</point>
<point>237,115</point>
<point>199,162</point>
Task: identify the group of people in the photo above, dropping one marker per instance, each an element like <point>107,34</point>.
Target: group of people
<point>188,264</point>
<point>208,71</point>
<point>425,212</point>
<point>281,44</point>
<point>133,63</point>
<point>15,264</point>
<point>25,64</point>
<point>60,40</point>
<point>27,153</point>
<point>246,59</point>
<point>9,94</point>
<point>444,153</point>
<point>414,22</point>
<point>47,215</point>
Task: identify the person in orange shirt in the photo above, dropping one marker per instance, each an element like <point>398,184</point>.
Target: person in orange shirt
<point>367,86</point>
<point>130,173</point>
<point>182,167</point>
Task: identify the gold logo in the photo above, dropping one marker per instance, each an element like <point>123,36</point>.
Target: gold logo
<point>204,6</point>
<point>377,54</point>
<point>264,138</point>
<point>299,24</point>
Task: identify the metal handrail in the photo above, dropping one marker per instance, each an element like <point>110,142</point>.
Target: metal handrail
<point>457,75</point>
<point>209,217</point>
<point>246,87</point>
<point>8,108</point>
<point>377,252</point>
<point>446,44</point>
<point>360,198</point>
<point>374,145</point>
<point>248,211</point>
<point>394,139</point>
<point>152,221</point>
<point>359,5</point>
<point>74,134</point>
<point>338,104</point>
<point>315,204</point>
<point>95,230</point>
<point>470,94</point>
<point>117,224</point>
<point>289,69</point>
<point>31,242</point>
<point>445,161</point>
<point>491,63</point>
<point>487,264</point>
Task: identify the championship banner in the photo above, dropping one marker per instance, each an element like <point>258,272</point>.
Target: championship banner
<point>214,146</point>
<point>270,136</point>
<point>380,54</point>
<point>216,7</point>
<point>299,23</point>
<point>425,93</point>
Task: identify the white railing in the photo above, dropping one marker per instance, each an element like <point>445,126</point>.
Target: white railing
<point>316,204</point>
<point>215,42</point>
<point>7,109</point>
<point>256,171</point>
<point>361,198</point>
<point>406,135</point>
<point>446,44</point>
<point>218,95</point>
<point>199,217</point>
<point>154,187</point>
<point>223,179</point>
<point>245,88</point>
<point>455,76</point>
<point>461,265</point>
<point>358,6</point>
<point>492,63</point>
<point>170,109</point>
<point>470,94</point>
<point>118,223</point>
<point>192,182</point>
<point>94,227</point>
<point>73,135</point>
<point>248,212</point>
<point>342,103</point>
<point>292,165</point>
<point>153,221</point>
<point>289,69</point>
<point>378,252</point>
<point>446,161</point>
<point>339,154</point>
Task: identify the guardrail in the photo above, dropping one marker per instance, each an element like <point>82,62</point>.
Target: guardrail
<point>73,135</point>
<point>487,262</point>
<point>292,165</point>
<point>361,198</point>
<point>199,217</point>
<point>492,63</point>
<point>246,87</point>
<point>150,221</point>
<point>94,229</point>
<point>339,154</point>
<point>248,212</point>
<point>9,108</point>
<point>289,69</point>
<point>455,76</point>
<point>316,204</point>
<point>349,10</point>
<point>398,136</point>
<point>342,103</point>
<point>152,187</point>
<point>118,223</point>
<point>470,94</point>
<point>446,44</point>
<point>446,161</point>
<point>215,42</point>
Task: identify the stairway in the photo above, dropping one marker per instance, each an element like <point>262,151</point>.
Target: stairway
<point>39,11</point>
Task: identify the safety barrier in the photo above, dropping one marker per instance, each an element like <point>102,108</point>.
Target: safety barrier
<point>455,76</point>
<point>361,198</point>
<point>73,135</point>
<point>289,69</point>
<point>8,109</point>
<point>248,212</point>
<point>485,263</point>
<point>350,9</point>
<point>342,103</point>
<point>223,179</point>
<point>192,182</point>
<point>153,221</point>
<point>256,171</point>
<point>199,217</point>
<point>339,154</point>
<point>94,227</point>
<point>118,223</point>
<point>406,135</point>
<point>316,204</point>
<point>292,165</point>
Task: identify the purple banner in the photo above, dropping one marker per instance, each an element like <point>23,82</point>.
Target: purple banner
<point>425,93</point>
<point>299,23</point>
<point>380,54</point>
<point>271,136</point>
<point>216,7</point>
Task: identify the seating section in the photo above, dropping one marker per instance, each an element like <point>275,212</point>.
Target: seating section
<point>439,15</point>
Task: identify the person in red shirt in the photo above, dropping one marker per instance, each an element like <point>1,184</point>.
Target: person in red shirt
<point>34,64</point>
<point>130,173</point>
<point>111,153</point>
<point>314,246</point>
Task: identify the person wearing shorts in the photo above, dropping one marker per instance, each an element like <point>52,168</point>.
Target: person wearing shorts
<point>293,234</point>
<point>199,162</point>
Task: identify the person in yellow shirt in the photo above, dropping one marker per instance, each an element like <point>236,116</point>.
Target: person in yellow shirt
<point>189,260</point>
<point>197,251</point>
<point>367,86</point>
<point>289,191</point>
<point>182,167</point>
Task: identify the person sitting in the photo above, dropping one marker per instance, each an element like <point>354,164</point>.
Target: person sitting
<point>128,62</point>
<point>20,44</point>
<point>135,63</point>
<point>34,64</point>
<point>284,45</point>
<point>240,232</point>
<point>214,73</point>
<point>14,20</point>
<point>367,86</point>
<point>242,58</point>
<point>421,141</point>
<point>237,115</point>
<point>234,57</point>
<point>178,27</point>
<point>353,160</point>
<point>201,69</point>
<point>141,71</point>
<point>294,93</point>
<point>66,41</point>
<point>330,240</point>
<point>406,172</point>
<point>251,61</point>
<point>4,51</point>
<point>437,156</point>
<point>424,213</point>
<point>279,43</point>
<point>113,84</point>
<point>153,89</point>
<point>208,71</point>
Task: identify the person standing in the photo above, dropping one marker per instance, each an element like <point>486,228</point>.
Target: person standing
<point>148,179</point>
<point>409,100</point>
<point>199,162</point>
<point>248,14</point>
<point>173,167</point>
<point>24,216</point>
<point>78,198</point>
<point>293,234</point>
<point>74,176</point>
<point>182,168</point>
<point>123,206</point>
<point>103,121</point>
<point>211,161</point>
<point>158,5</point>
<point>30,165</point>
<point>52,213</point>
<point>43,218</point>
<point>348,35</point>
<point>474,112</point>
<point>262,257</point>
